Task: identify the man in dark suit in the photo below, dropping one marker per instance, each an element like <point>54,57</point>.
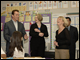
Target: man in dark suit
<point>10,27</point>
<point>74,38</point>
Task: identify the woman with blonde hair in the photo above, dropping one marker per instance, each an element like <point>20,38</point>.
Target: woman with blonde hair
<point>62,41</point>
<point>37,32</point>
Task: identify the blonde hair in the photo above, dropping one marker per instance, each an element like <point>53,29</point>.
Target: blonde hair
<point>64,20</point>
<point>39,16</point>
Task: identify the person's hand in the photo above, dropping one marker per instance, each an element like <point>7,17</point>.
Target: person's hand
<point>41,34</point>
<point>25,36</point>
<point>36,30</point>
<point>56,43</point>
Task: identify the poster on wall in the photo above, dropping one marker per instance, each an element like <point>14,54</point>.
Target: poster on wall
<point>45,19</point>
<point>77,20</point>
<point>49,4</point>
<point>21,16</point>
<point>24,6</point>
<point>73,21</point>
<point>55,4</point>
<point>45,5</point>
<point>27,16</point>
<point>31,5</point>
<point>59,4</point>
<point>20,7</point>
<point>3,10</point>
<point>11,6</point>
<point>1,26</point>
<point>3,13</point>
<point>27,26</point>
<point>73,4</point>
<point>8,7</point>
<point>16,6</point>
<point>65,4</point>
<point>33,16</point>
<point>8,17</point>
<point>54,20</point>
<point>40,5</point>
<point>35,5</point>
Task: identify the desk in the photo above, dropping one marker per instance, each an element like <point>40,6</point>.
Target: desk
<point>26,58</point>
<point>50,54</point>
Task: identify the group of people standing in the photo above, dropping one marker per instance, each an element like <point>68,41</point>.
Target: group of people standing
<point>66,37</point>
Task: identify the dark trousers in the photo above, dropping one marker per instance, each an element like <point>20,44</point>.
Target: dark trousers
<point>37,49</point>
<point>72,52</point>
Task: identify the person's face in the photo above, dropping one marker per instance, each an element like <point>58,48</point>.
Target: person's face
<point>16,16</point>
<point>69,22</point>
<point>36,19</point>
<point>59,22</point>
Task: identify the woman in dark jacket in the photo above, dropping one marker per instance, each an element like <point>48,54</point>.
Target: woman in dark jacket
<point>62,41</point>
<point>37,32</point>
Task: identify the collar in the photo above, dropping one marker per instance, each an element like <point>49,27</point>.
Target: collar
<point>14,21</point>
<point>69,26</point>
<point>36,23</point>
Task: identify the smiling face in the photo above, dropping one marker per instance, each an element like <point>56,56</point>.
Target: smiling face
<point>36,19</point>
<point>15,16</point>
<point>59,22</point>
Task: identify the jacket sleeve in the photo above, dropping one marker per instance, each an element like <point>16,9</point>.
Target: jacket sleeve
<point>56,35</point>
<point>6,33</point>
<point>76,34</point>
<point>23,31</point>
<point>32,32</point>
<point>45,32</point>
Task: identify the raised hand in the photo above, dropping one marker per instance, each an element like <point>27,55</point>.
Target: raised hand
<point>36,30</point>
<point>25,36</point>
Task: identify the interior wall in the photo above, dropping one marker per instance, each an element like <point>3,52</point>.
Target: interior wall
<point>54,11</point>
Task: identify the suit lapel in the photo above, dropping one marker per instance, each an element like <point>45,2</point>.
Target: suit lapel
<point>70,29</point>
<point>41,26</point>
<point>37,26</point>
<point>18,26</point>
<point>13,25</point>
